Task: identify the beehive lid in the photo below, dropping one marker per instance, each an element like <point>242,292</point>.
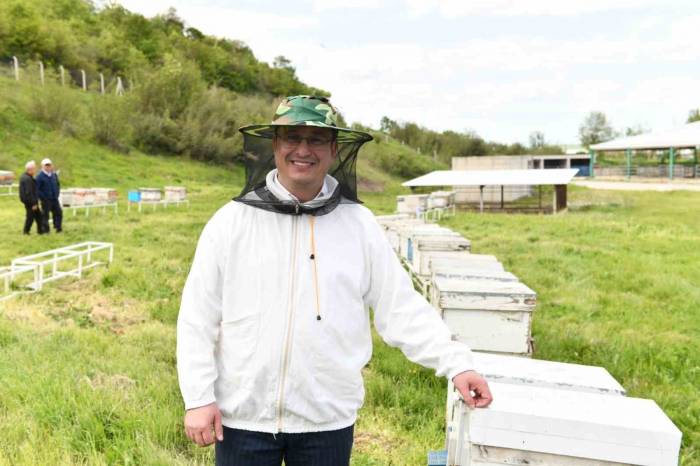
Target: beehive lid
<point>472,272</point>
<point>583,425</point>
<point>447,240</point>
<point>548,374</point>
<point>462,260</point>
<point>484,295</point>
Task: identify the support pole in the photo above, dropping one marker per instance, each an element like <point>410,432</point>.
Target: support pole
<point>591,164</point>
<point>671,161</point>
<point>628,153</point>
<point>481,199</point>
<point>41,72</point>
<point>539,194</point>
<point>120,87</point>
<point>15,65</point>
<point>102,84</point>
<point>82,73</point>
<point>63,75</point>
<point>502,204</point>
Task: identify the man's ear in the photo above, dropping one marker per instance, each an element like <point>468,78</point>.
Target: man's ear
<point>334,148</point>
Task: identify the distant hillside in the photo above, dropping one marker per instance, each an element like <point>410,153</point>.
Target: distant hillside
<point>115,41</point>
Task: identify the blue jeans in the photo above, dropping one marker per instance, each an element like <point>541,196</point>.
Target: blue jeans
<point>247,448</point>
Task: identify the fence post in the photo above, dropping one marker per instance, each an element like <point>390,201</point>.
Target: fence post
<point>63,75</point>
<point>628,153</point>
<point>15,64</point>
<point>102,84</point>
<point>41,72</point>
<point>592,163</point>
<point>120,87</point>
<point>671,160</point>
<point>82,73</point>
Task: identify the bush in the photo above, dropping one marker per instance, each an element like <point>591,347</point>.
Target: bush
<point>109,119</point>
<point>155,134</point>
<point>57,107</point>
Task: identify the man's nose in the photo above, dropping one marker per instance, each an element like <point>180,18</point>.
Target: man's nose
<point>303,148</point>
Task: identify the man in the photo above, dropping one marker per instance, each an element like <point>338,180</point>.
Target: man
<point>28,196</point>
<point>49,189</point>
<point>274,325</point>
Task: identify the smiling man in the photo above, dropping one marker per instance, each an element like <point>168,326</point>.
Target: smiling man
<point>274,327</point>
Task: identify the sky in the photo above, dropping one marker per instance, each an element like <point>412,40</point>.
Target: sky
<point>500,68</point>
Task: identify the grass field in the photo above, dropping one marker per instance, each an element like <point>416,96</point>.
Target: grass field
<point>87,368</point>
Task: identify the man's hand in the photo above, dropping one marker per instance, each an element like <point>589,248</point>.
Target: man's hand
<point>200,422</point>
<point>35,207</point>
<point>470,381</point>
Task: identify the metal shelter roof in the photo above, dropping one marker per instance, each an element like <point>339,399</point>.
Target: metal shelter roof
<point>686,136</point>
<point>553,176</point>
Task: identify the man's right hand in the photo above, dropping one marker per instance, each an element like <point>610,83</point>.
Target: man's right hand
<point>35,207</point>
<point>201,424</point>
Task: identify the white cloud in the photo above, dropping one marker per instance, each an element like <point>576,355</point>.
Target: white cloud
<point>459,8</point>
<point>502,86</point>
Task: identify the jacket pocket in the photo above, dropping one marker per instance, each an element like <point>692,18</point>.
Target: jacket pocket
<point>238,343</point>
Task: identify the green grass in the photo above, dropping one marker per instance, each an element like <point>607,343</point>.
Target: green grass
<point>87,368</point>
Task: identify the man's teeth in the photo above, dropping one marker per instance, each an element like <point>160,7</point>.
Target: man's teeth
<point>305,164</point>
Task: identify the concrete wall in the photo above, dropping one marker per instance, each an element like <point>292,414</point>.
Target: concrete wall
<point>492,162</point>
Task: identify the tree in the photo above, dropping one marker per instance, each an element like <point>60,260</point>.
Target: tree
<point>693,115</point>
<point>635,130</point>
<point>594,129</point>
<point>537,140</point>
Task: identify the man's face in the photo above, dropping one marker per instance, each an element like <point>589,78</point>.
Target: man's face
<point>303,155</point>
<point>30,170</point>
<point>48,168</point>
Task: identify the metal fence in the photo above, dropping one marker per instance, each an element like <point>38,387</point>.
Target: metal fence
<point>37,73</point>
<point>648,171</point>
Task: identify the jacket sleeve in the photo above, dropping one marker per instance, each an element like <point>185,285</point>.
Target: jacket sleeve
<point>41,186</point>
<point>24,190</point>
<point>199,320</point>
<point>404,319</point>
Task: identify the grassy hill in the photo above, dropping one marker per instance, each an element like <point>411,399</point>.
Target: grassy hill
<point>88,367</point>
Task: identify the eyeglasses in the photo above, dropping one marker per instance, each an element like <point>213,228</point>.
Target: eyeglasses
<point>313,141</point>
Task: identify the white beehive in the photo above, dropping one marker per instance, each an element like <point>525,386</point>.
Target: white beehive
<point>6,177</point>
<point>391,230</point>
<point>175,193</point>
<point>67,197</point>
<point>441,199</point>
<point>407,231</point>
<point>383,220</point>
<point>459,258</point>
<point>537,373</point>
<point>471,273</point>
<point>424,243</point>
<point>150,194</point>
<point>411,203</point>
<point>530,425</point>
<point>105,195</point>
<point>487,315</point>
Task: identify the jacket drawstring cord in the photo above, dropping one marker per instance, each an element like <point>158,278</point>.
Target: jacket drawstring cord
<point>312,220</point>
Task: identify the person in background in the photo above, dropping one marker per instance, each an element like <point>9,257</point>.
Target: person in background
<point>29,197</point>
<point>49,188</point>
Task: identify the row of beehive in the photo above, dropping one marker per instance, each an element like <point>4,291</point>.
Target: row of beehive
<point>169,194</point>
<point>6,177</point>
<point>415,203</point>
<point>77,197</point>
<point>544,412</point>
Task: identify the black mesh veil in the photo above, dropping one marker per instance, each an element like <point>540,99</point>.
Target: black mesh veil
<point>260,160</point>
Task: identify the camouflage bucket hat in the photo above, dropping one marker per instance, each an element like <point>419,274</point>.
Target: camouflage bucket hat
<point>306,110</point>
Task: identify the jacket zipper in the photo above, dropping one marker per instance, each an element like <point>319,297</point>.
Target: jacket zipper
<point>290,317</point>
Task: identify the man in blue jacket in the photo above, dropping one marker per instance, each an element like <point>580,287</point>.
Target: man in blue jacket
<point>49,188</point>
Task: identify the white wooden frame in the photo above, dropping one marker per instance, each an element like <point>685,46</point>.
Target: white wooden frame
<point>9,188</point>
<point>8,274</point>
<point>163,202</point>
<point>88,207</point>
<point>82,252</point>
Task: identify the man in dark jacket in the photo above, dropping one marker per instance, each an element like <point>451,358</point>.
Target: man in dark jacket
<point>49,189</point>
<point>28,196</point>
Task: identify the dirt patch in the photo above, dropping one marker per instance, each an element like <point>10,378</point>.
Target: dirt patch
<point>364,441</point>
<point>370,186</point>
